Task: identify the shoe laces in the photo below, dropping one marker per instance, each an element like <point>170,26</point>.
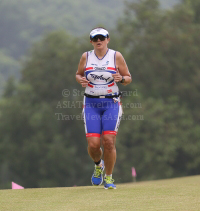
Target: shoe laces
<point>109,180</point>
<point>97,171</point>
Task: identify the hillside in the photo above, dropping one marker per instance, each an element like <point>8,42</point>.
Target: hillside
<point>23,22</point>
<point>180,194</point>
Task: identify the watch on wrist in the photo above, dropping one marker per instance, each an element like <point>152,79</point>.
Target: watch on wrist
<point>123,80</point>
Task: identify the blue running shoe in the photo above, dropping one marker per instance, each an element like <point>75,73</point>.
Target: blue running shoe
<point>97,177</point>
<point>108,183</point>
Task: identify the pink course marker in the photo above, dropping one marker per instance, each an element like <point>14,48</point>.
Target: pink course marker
<point>16,186</point>
<point>133,172</point>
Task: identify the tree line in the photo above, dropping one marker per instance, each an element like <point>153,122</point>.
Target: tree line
<point>24,22</point>
<point>159,133</point>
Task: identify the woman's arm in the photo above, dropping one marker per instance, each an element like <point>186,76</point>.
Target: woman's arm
<point>123,71</point>
<point>80,72</point>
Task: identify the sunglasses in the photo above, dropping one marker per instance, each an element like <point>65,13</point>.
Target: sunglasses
<point>95,38</point>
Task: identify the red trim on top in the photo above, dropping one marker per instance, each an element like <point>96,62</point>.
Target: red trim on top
<point>90,85</point>
<point>112,84</point>
<point>111,68</point>
<point>89,68</point>
<point>93,135</point>
<point>109,132</point>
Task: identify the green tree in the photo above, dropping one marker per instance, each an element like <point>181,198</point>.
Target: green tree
<point>40,145</point>
<point>159,138</point>
<point>162,55</point>
<point>163,51</point>
<point>42,135</point>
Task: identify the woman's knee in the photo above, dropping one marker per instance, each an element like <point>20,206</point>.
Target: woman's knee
<point>94,143</point>
<point>109,142</point>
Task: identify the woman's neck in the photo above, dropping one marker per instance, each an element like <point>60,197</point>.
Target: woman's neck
<point>100,53</point>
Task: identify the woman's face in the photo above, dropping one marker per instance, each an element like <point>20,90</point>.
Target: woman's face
<point>100,42</point>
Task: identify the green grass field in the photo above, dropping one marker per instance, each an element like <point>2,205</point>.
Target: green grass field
<point>180,194</point>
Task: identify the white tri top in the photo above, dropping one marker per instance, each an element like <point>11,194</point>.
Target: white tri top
<point>99,73</point>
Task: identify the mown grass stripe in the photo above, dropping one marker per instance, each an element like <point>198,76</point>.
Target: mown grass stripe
<point>180,194</point>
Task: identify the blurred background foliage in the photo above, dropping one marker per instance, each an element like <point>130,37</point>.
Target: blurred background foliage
<point>41,44</point>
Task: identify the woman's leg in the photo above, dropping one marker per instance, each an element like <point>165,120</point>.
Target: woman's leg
<point>108,142</point>
<point>94,148</point>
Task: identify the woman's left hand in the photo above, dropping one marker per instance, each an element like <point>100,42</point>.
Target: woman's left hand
<point>117,77</point>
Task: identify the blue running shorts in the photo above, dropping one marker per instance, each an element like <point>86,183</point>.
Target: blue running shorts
<point>101,116</point>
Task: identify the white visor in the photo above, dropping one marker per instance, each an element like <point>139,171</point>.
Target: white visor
<point>99,31</point>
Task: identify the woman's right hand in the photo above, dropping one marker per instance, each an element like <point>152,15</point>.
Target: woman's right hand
<point>84,82</point>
